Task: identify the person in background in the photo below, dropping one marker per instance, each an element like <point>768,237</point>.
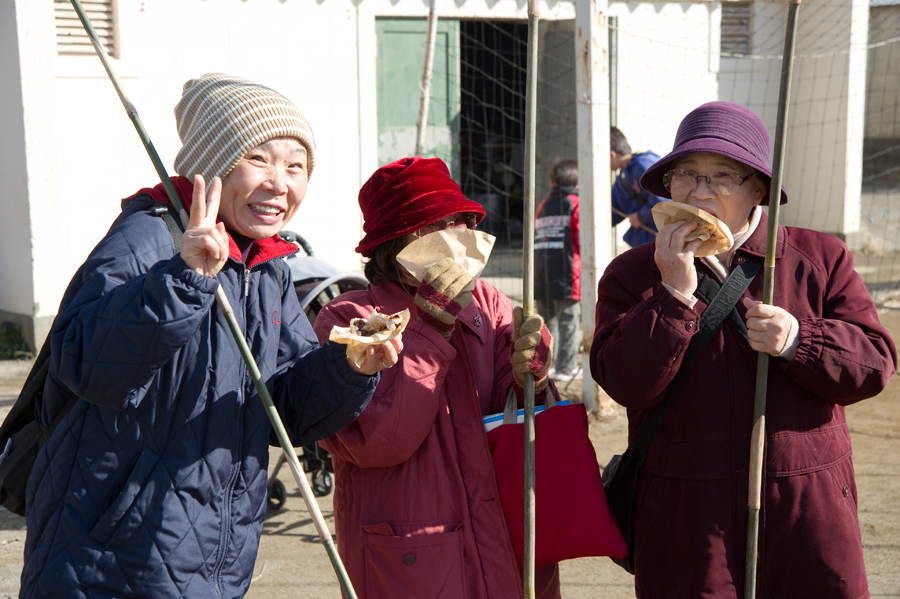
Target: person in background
<point>416,504</point>
<point>154,483</point>
<point>628,197</point>
<point>827,350</point>
<point>557,268</point>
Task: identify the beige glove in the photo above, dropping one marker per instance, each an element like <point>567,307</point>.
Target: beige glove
<point>439,299</point>
<point>532,349</point>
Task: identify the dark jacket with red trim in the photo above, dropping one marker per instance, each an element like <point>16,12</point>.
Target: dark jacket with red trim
<point>691,513</point>
<point>154,484</point>
<point>557,253</point>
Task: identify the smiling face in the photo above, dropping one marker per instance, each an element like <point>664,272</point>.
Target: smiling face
<point>264,190</point>
<point>734,209</point>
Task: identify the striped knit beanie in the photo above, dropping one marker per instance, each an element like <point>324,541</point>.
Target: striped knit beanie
<point>220,118</point>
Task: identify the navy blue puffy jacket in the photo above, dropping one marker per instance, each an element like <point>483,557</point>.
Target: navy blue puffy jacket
<point>154,485</point>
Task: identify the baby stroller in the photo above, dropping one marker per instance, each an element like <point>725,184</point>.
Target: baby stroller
<point>316,283</point>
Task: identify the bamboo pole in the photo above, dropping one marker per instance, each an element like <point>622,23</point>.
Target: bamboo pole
<point>425,97</point>
<point>758,436</point>
<point>643,226</point>
<point>528,287</point>
<point>228,312</point>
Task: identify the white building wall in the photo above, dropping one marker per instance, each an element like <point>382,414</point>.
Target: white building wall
<point>823,153</point>
<point>883,118</point>
<point>27,166</point>
<point>667,66</point>
<point>73,153</point>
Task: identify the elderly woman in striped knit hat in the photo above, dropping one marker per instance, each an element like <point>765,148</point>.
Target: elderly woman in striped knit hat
<point>154,483</point>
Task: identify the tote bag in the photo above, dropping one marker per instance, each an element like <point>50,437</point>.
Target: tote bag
<point>571,515</point>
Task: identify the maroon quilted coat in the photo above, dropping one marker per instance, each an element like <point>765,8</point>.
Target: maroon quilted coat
<point>417,511</point>
<point>691,517</point>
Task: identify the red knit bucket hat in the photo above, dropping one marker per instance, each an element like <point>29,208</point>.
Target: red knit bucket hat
<point>404,196</point>
<point>722,128</point>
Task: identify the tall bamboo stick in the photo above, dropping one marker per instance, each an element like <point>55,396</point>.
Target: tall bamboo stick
<point>425,97</point>
<point>758,436</point>
<point>528,286</point>
<point>228,312</point>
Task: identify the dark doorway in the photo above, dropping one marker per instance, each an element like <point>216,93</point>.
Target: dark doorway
<point>493,63</point>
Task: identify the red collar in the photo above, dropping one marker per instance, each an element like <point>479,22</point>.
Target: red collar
<point>262,250</point>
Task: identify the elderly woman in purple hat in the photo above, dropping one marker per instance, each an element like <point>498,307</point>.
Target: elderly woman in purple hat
<point>416,503</point>
<point>828,351</point>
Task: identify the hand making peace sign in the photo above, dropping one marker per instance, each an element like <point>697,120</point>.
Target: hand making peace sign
<point>204,247</point>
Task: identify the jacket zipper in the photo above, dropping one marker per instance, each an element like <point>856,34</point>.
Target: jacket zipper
<point>225,534</point>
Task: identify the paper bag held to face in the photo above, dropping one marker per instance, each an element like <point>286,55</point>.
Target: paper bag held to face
<point>715,234</point>
<point>364,333</point>
<point>468,247</point>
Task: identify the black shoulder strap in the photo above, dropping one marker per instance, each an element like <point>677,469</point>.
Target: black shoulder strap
<point>706,290</point>
<point>172,223</point>
<point>722,304</point>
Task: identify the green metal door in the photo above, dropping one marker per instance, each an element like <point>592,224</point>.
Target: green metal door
<point>401,59</point>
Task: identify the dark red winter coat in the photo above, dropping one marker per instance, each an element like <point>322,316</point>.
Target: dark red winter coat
<point>691,518</point>
<point>415,497</point>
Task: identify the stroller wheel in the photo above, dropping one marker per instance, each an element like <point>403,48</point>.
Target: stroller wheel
<point>277,495</point>
<point>321,483</point>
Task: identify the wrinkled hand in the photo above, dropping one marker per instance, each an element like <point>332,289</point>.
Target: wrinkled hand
<point>531,350</point>
<point>635,220</point>
<point>768,327</point>
<point>204,247</point>
<point>675,259</point>
<point>440,298</point>
<point>380,357</point>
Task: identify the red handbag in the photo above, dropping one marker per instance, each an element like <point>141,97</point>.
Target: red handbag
<point>571,516</point>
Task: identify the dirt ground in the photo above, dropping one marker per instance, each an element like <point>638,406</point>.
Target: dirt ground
<point>293,563</point>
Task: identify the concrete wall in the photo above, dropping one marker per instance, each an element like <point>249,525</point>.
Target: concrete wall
<point>823,153</point>
<point>667,65</point>
<point>883,86</point>
<point>71,153</point>
<point>28,228</point>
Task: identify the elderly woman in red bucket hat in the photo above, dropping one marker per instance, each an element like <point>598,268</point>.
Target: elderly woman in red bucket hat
<point>416,504</point>
<point>828,351</point>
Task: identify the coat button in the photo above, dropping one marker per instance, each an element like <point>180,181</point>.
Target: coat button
<point>739,260</point>
<point>689,325</point>
<point>409,559</point>
<point>845,491</point>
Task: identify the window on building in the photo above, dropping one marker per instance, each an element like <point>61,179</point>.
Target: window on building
<point>735,28</point>
<point>71,38</point>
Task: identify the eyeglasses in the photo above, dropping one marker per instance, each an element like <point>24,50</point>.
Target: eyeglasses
<point>456,221</point>
<point>681,181</point>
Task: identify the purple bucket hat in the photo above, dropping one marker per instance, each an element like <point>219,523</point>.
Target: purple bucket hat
<point>722,128</point>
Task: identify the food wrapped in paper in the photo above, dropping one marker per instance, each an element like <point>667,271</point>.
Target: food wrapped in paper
<point>364,333</point>
<point>468,247</point>
<point>715,234</point>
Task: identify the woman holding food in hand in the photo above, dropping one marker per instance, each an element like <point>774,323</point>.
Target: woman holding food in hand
<point>828,351</point>
<point>417,511</point>
<point>154,484</point>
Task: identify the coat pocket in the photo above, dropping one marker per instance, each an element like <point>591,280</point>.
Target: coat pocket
<point>113,528</point>
<point>416,566</point>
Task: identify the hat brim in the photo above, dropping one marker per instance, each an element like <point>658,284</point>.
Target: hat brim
<point>652,179</point>
<point>457,205</point>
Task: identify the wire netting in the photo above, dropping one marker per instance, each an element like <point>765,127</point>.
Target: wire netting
<point>842,158</point>
<point>493,64</point>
